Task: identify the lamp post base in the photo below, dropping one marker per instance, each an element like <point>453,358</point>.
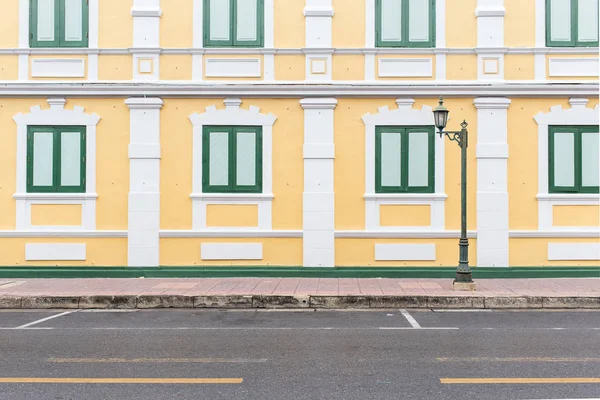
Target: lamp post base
<point>464,286</point>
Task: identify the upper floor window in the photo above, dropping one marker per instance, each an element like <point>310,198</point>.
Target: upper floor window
<point>58,23</point>
<point>233,23</point>
<point>404,159</point>
<point>232,159</point>
<point>56,159</point>
<point>405,23</point>
<point>574,159</point>
<point>571,23</point>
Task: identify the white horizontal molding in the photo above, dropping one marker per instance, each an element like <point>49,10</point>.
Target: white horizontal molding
<point>584,67</point>
<point>226,197</point>
<point>57,67</point>
<point>573,251</point>
<point>404,252</point>
<point>406,197</point>
<point>55,196</point>
<point>230,233</point>
<point>55,251</point>
<point>233,68</point>
<point>402,234</point>
<point>556,233</point>
<point>405,67</point>
<point>231,251</point>
<point>574,199</point>
<point>62,234</point>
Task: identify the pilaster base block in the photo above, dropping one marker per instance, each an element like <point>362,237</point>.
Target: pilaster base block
<point>464,286</point>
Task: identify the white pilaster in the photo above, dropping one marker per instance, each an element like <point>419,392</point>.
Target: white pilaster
<point>318,51</point>
<point>490,36</point>
<point>440,40</point>
<point>146,39</point>
<point>144,181</point>
<point>492,188</point>
<point>318,197</point>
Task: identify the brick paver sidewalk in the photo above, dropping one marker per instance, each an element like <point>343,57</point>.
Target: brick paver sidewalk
<point>295,287</point>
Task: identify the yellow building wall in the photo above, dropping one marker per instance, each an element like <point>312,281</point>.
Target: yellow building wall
<point>176,67</point>
<point>534,253</point>
<point>519,23</point>
<point>290,31</point>
<point>290,67</point>
<point>461,67</point>
<point>377,58</point>
<point>56,214</point>
<point>100,252</point>
<point>361,252</point>
<point>562,78</point>
<point>79,56</point>
<point>176,23</point>
<point>576,216</point>
<point>9,68</point>
<point>349,175</point>
<point>276,252</point>
<point>176,161</point>
<point>349,24</point>
<point>519,67</point>
<point>348,67</point>
<point>9,21</point>
<point>400,215</point>
<point>461,23</point>
<point>115,23</point>
<point>232,215</point>
<point>115,68</point>
<point>523,158</point>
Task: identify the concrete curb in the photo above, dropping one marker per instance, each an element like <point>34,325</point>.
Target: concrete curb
<point>295,302</point>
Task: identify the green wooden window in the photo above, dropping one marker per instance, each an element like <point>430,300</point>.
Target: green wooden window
<point>56,159</point>
<point>233,23</point>
<point>404,159</point>
<point>232,159</point>
<point>573,156</point>
<point>58,23</point>
<point>572,23</point>
<point>405,23</point>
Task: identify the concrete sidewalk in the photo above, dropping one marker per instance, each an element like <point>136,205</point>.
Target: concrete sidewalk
<point>297,293</point>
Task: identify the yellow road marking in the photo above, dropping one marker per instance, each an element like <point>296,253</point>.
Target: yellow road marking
<point>517,380</point>
<point>125,380</point>
<point>156,360</point>
<point>518,359</point>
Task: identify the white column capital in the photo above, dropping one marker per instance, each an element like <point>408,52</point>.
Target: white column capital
<point>144,103</point>
<point>491,103</point>
<point>318,103</point>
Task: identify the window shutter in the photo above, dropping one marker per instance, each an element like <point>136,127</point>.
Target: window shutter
<point>391,159</point>
<point>418,159</point>
<point>418,24</point>
<point>564,160</point>
<point>560,21</point>
<point>587,21</point>
<point>70,159</point>
<point>247,21</point>
<point>590,160</point>
<point>246,159</point>
<point>46,20</point>
<point>43,159</point>
<point>73,21</point>
<point>218,158</point>
<point>220,20</point>
<point>391,20</point>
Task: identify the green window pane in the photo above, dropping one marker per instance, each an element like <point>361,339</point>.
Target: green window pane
<point>73,20</point>
<point>246,159</point>
<point>560,22</point>
<point>564,159</point>
<point>391,17</point>
<point>70,157</point>
<point>43,150</point>
<point>247,18</point>
<point>219,159</point>
<point>390,159</point>
<point>45,20</point>
<point>590,161</point>
<point>587,21</point>
<point>220,20</point>
<point>418,26</point>
<point>418,159</point>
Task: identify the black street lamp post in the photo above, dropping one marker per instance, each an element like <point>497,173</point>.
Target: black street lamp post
<point>440,114</point>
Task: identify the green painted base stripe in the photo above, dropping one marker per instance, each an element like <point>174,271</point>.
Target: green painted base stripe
<point>294,272</point>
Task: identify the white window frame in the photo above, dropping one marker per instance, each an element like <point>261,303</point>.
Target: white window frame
<point>404,115</point>
<point>56,115</point>
<point>578,114</point>
<point>232,115</point>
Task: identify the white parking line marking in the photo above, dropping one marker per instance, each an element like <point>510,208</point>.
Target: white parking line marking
<point>400,328</point>
<point>413,322</point>
<point>465,310</point>
<point>102,310</point>
<point>39,321</point>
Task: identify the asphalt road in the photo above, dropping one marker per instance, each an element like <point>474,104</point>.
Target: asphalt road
<point>192,354</point>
